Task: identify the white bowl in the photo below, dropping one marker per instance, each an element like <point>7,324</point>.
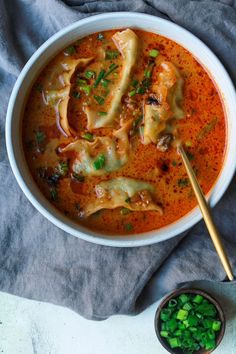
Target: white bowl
<point>62,39</point>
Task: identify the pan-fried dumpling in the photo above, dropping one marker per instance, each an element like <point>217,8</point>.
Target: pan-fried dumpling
<point>62,96</point>
<point>163,103</point>
<point>103,155</point>
<point>123,192</point>
<point>127,43</point>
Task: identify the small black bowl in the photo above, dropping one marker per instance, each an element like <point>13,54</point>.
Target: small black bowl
<point>174,294</point>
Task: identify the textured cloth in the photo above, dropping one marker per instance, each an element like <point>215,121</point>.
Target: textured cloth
<point>39,261</point>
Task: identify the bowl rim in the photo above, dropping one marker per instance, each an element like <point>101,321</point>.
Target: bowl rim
<point>56,217</point>
<point>173,294</point>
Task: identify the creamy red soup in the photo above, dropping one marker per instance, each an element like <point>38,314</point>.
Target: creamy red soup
<point>101,126</point>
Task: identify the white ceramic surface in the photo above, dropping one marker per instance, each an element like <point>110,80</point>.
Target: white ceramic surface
<point>62,39</point>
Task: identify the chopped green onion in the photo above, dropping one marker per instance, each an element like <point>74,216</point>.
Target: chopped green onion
<point>128,227</point>
<point>190,155</point>
<point>183,182</point>
<point>99,162</point>
<point>86,89</point>
<point>40,137</point>
<point>216,325</point>
<point>111,54</point>
<point>171,325</point>
<point>101,75</point>
<point>165,314</point>
<point>112,67</point>
<point>105,82</point>
<point>54,194</point>
<point>141,90</point>
<point>132,93</point>
<point>89,74</point>
<point>172,303</point>
<point>207,323</point>
<point>174,342</point>
<point>210,344</point>
<point>76,94</point>
<point>62,168</point>
<point>88,136</point>
<point>70,50</point>
<point>127,200</point>
<point>164,334</point>
<point>81,81</point>
<point>100,100</point>
<point>147,73</point>
<point>207,128</point>
<point>184,298</point>
<point>187,306</point>
<point>134,83</point>
<point>154,53</point>
<point>102,113</point>
<point>79,178</point>
<point>174,163</point>
<point>198,299</point>
<point>182,315</point>
<point>178,333</point>
<point>124,211</point>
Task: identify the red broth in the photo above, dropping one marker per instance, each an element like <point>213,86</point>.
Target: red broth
<point>202,131</point>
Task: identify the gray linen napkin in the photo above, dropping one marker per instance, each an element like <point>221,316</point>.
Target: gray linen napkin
<point>39,261</point>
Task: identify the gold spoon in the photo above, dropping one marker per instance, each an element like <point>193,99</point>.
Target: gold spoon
<point>206,213</point>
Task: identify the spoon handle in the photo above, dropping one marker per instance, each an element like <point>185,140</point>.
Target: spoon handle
<point>207,216</point>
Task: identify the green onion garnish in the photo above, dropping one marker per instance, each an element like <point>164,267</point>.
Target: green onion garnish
<point>132,93</point>
<point>124,211</point>
<point>102,113</point>
<point>100,100</point>
<point>62,168</point>
<point>134,83</point>
<point>105,82</point>
<point>81,81</point>
<point>141,90</point>
<point>89,74</point>
<point>86,89</point>
<point>147,73</point>
<point>183,182</point>
<point>99,162</point>
<point>153,53</point>
<point>40,137</point>
<point>112,67</point>
<point>76,94</point>
<point>54,194</point>
<point>182,327</point>
<point>101,75</point>
<point>111,54</point>
<point>88,136</point>
<point>70,50</point>
<point>128,227</point>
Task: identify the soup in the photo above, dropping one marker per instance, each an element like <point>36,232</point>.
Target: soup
<point>102,123</point>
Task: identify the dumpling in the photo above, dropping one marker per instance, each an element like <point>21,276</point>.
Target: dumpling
<point>62,96</point>
<point>127,43</point>
<point>103,155</point>
<point>123,192</point>
<point>163,103</point>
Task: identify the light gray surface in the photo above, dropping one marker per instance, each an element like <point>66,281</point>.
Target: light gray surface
<point>30,327</point>
<point>39,261</point>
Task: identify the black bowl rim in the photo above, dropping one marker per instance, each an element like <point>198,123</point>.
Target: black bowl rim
<point>174,294</point>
